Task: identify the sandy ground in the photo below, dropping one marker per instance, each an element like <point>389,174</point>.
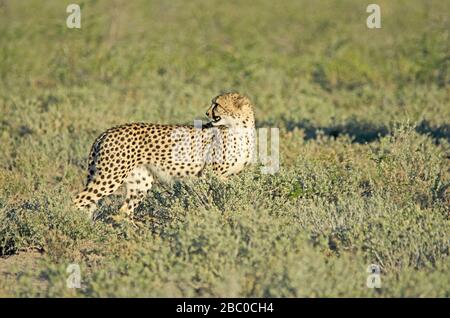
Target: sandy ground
<point>14,266</point>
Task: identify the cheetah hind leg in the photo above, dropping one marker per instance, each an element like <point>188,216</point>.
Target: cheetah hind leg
<point>138,183</point>
<point>94,191</point>
<point>87,202</point>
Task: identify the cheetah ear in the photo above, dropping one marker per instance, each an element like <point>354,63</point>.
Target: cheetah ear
<point>242,101</point>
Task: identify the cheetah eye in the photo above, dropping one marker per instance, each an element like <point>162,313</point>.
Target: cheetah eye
<point>216,106</point>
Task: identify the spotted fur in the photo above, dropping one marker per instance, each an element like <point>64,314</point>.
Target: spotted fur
<point>136,154</point>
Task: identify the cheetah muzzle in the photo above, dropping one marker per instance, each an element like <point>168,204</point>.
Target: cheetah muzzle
<point>137,154</point>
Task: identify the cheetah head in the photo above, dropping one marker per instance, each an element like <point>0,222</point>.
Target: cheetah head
<point>232,110</point>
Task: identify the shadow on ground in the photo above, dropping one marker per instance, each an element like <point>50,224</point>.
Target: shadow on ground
<point>361,131</point>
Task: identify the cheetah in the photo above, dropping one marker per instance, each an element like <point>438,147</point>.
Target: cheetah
<point>138,154</point>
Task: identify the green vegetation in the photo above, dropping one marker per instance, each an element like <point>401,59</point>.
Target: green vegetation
<point>364,118</point>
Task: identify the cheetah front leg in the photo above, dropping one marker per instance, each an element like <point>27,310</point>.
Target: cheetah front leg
<point>138,183</point>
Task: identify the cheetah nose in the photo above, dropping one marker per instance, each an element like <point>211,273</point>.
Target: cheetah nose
<point>207,114</point>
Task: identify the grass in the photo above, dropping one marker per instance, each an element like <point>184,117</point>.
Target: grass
<point>364,148</point>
